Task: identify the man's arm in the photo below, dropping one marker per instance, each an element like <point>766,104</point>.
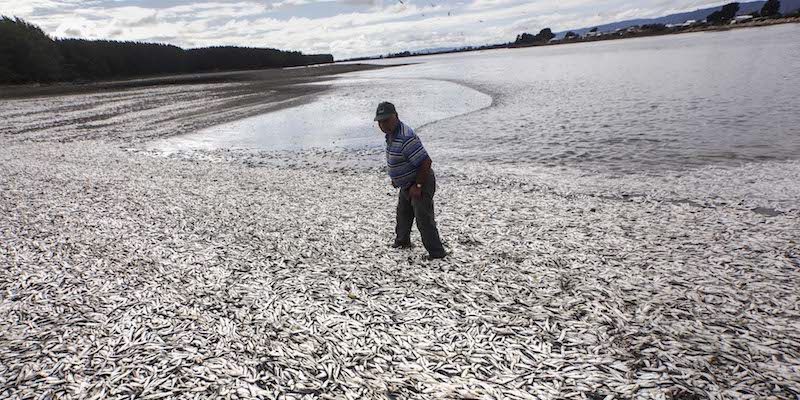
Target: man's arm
<point>422,175</point>
<point>415,153</point>
<point>424,171</point>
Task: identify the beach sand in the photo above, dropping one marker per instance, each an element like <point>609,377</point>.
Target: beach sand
<point>128,273</point>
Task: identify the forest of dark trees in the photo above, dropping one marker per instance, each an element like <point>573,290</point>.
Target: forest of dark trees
<point>544,36</point>
<point>27,55</point>
<point>723,16</point>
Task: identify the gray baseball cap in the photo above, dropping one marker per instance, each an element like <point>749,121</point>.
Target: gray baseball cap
<point>385,110</point>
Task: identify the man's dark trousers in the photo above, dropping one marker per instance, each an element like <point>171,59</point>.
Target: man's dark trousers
<point>421,209</point>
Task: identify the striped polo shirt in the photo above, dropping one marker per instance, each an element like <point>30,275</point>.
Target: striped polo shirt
<point>404,155</point>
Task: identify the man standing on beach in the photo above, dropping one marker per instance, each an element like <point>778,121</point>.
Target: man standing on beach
<point>410,171</point>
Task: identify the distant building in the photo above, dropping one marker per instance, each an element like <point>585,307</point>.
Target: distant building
<point>690,22</point>
<point>741,18</point>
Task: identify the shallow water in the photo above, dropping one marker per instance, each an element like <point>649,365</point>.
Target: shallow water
<point>339,118</point>
<point>650,104</point>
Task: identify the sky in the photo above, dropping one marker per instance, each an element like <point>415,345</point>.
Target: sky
<point>344,28</point>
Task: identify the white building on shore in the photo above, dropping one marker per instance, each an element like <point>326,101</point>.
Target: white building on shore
<point>741,18</point>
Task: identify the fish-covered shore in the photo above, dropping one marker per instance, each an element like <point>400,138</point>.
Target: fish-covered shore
<point>130,274</point>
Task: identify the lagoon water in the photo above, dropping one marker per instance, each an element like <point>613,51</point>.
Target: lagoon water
<point>649,104</point>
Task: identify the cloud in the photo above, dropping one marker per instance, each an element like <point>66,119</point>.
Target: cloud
<point>23,8</point>
<point>345,28</point>
<point>151,19</point>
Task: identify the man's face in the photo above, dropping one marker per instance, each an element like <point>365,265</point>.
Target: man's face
<point>389,124</point>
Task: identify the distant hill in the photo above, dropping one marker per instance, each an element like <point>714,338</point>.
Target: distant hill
<point>435,50</point>
<point>787,6</point>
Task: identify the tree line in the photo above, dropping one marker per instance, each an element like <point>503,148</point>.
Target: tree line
<point>771,9</point>
<point>544,36</point>
<point>27,54</point>
<point>722,16</point>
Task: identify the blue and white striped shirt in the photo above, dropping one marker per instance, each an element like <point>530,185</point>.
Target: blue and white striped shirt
<point>404,155</point>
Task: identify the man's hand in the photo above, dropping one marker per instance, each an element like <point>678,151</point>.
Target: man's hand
<point>422,176</point>
<point>415,192</point>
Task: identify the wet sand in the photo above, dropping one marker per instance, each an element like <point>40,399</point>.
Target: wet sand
<point>259,79</point>
<point>142,109</point>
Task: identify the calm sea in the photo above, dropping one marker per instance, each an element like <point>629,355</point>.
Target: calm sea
<point>668,102</point>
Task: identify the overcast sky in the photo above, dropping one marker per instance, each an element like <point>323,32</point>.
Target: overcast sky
<point>345,28</point>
